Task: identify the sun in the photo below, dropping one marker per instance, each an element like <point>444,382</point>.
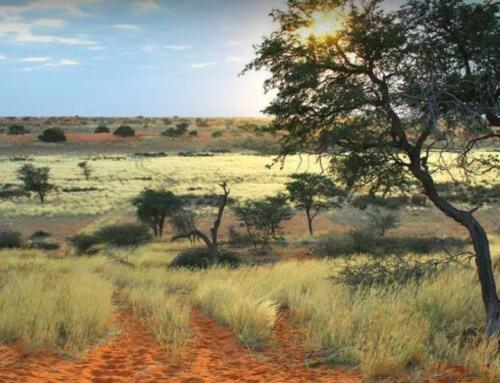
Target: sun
<point>323,24</point>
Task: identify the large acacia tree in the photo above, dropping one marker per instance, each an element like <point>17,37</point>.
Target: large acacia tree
<point>388,95</point>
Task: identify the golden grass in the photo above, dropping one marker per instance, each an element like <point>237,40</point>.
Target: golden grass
<point>167,318</point>
<point>43,305</point>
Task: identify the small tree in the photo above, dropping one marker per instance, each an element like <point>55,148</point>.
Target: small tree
<point>101,129</point>
<point>36,180</point>
<point>124,131</point>
<point>52,135</point>
<point>154,206</point>
<point>263,218</point>
<point>86,169</point>
<point>185,224</point>
<point>313,193</point>
<point>382,222</point>
<point>16,130</point>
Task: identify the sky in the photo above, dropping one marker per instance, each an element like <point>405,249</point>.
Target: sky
<point>131,57</point>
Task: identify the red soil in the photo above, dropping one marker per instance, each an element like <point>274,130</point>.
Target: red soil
<point>80,137</point>
<point>213,356</point>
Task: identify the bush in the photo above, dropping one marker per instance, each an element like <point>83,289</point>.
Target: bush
<point>363,201</point>
<point>52,135</point>
<point>123,235</point>
<point>17,130</point>
<point>102,129</point>
<point>217,134</point>
<point>366,242</point>
<point>10,239</point>
<point>84,243</point>
<point>124,131</point>
<point>193,133</point>
<point>195,259</point>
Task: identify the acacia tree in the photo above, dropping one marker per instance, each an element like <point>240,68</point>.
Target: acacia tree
<point>36,180</point>
<point>154,206</point>
<point>387,94</point>
<point>185,223</point>
<point>313,193</point>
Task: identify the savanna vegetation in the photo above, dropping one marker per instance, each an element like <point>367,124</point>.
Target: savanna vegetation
<point>362,217</point>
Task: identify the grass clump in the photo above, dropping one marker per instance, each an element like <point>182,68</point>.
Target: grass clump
<point>59,310</point>
<point>167,318</point>
<point>252,318</point>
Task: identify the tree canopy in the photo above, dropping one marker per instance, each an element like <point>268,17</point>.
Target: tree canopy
<point>391,97</point>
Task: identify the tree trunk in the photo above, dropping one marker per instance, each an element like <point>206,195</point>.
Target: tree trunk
<point>480,242</point>
<point>42,197</point>
<point>309,222</point>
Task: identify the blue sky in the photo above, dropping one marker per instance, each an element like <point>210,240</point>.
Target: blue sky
<point>131,57</point>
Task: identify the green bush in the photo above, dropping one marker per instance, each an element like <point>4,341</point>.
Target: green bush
<point>217,134</point>
<point>193,133</point>
<point>124,131</point>
<point>201,258</point>
<point>52,135</point>
<point>123,235</point>
<point>102,129</point>
<point>363,201</point>
<point>84,244</point>
<point>366,242</point>
<point>17,130</point>
<point>10,239</point>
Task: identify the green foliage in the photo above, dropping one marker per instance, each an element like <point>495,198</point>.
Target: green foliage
<point>201,123</point>
<point>84,244</point>
<point>10,239</point>
<point>381,222</point>
<point>202,258</point>
<point>154,206</point>
<point>123,235</point>
<point>53,135</point>
<point>16,130</point>
<point>217,133</point>
<point>193,133</point>
<point>180,130</point>
<point>36,180</point>
<point>263,218</point>
<point>362,202</point>
<point>124,131</point>
<point>313,193</point>
<point>364,241</point>
<point>102,129</point>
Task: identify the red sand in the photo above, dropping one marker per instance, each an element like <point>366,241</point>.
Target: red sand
<point>213,356</point>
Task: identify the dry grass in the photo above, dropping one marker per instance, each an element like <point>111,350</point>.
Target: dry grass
<point>46,305</point>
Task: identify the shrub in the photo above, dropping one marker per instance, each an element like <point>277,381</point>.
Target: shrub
<point>124,131</point>
<point>84,243</point>
<point>217,134</point>
<point>17,130</point>
<point>381,222</point>
<point>10,239</point>
<point>363,201</point>
<point>193,133</point>
<point>123,235</point>
<point>366,242</point>
<point>201,258</point>
<point>102,129</point>
<point>52,135</point>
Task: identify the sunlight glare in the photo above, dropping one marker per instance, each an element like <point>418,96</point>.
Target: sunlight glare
<point>323,24</point>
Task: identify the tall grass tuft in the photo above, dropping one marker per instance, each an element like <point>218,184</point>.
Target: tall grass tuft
<point>51,309</point>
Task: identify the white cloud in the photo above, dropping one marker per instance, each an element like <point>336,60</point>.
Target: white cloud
<point>204,64</point>
<point>147,5</point>
<point>127,27</point>
<point>175,47</point>
<point>236,59</point>
<point>97,48</point>
<point>2,57</point>
<point>72,7</point>
<point>35,59</point>
<point>22,33</point>
<point>49,23</point>
<point>63,62</point>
